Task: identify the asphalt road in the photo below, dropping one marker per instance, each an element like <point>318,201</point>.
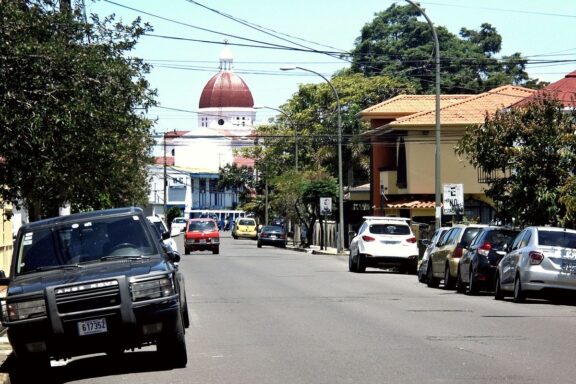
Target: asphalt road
<point>270,315</point>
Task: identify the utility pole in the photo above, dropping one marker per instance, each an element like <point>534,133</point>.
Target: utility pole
<point>165,182</point>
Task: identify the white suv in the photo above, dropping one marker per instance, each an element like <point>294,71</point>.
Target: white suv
<point>384,242</point>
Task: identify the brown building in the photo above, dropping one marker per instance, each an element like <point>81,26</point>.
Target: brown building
<point>403,148</point>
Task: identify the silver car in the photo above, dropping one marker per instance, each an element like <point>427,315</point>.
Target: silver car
<point>430,245</point>
<point>541,260</point>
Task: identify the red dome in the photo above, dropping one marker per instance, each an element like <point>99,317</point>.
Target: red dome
<point>226,89</point>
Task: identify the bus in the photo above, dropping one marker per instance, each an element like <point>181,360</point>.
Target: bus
<point>220,215</point>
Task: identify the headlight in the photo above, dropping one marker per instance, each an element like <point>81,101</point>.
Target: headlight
<point>152,289</point>
<point>22,310</point>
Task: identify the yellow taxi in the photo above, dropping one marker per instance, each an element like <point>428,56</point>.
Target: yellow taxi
<point>245,227</point>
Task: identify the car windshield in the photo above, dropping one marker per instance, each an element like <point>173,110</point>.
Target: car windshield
<point>84,241</point>
<point>557,239</point>
<point>207,225</point>
<point>389,229</point>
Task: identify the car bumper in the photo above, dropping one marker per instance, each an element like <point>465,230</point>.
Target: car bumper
<point>274,242</point>
<point>540,279</point>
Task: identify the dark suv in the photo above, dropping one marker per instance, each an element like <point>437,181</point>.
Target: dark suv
<point>91,283</point>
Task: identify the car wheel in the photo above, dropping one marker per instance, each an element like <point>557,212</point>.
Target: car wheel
<point>351,263</point>
<point>432,281</point>
<point>186,251</point>
<point>172,346</point>
<point>216,251</point>
<point>498,293</point>
<point>472,284</point>
<point>460,286</point>
<point>448,281</point>
<point>259,244</point>
<point>360,263</point>
<point>519,295</point>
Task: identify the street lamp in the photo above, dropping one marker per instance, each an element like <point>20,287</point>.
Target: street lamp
<point>293,126</point>
<point>438,211</point>
<point>340,245</point>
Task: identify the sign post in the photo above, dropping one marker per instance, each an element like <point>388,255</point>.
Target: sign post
<point>453,200</point>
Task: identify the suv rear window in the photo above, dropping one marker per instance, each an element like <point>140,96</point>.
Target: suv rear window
<point>389,229</point>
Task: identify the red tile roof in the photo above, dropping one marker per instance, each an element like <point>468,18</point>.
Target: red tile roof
<point>471,110</point>
<point>412,204</point>
<point>159,160</point>
<point>564,90</point>
<point>403,105</point>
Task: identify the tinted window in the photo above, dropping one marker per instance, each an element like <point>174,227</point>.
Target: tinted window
<point>389,229</point>
<point>469,234</point>
<point>207,225</point>
<point>558,239</point>
<point>500,238</point>
<point>246,222</point>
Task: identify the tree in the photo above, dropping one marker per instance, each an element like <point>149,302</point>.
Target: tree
<point>396,43</point>
<point>239,179</point>
<point>72,110</point>
<point>533,150</point>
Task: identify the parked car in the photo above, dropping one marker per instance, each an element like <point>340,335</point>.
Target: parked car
<point>94,282</point>
<point>178,225</point>
<point>163,232</point>
<point>272,235</point>
<point>477,266</point>
<point>443,261</point>
<point>430,245</point>
<point>541,261</point>
<point>384,242</point>
<point>201,234</point>
<point>245,227</point>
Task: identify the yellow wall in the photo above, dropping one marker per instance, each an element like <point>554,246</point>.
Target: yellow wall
<point>5,238</point>
<point>420,158</point>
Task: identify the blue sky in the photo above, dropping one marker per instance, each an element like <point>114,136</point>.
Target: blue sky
<point>538,29</point>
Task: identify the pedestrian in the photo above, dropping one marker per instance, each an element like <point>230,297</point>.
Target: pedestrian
<point>303,234</point>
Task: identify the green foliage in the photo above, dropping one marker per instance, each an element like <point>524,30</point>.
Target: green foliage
<point>240,179</point>
<point>398,44</point>
<point>71,110</point>
<point>171,214</point>
<point>533,150</point>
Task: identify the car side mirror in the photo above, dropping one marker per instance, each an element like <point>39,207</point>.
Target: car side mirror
<point>165,235</point>
<point>174,256</point>
<point>425,242</point>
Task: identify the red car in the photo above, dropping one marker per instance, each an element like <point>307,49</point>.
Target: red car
<point>201,235</point>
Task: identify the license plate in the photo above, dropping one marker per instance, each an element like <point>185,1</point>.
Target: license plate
<point>90,327</point>
<point>202,241</point>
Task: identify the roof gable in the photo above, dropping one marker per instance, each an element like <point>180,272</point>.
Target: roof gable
<point>403,105</point>
<point>471,110</point>
<point>564,90</point>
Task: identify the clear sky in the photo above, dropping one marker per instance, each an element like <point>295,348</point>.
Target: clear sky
<point>189,36</point>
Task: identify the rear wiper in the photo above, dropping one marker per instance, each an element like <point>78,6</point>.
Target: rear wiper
<point>124,257</point>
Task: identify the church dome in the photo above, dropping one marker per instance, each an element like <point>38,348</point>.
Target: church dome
<point>226,89</point>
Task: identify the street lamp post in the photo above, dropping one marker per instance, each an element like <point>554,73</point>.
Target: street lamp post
<point>340,242</point>
<point>438,211</point>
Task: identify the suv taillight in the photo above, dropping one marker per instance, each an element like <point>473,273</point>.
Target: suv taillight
<point>535,257</point>
<point>484,250</point>
<point>411,240</point>
<point>368,238</point>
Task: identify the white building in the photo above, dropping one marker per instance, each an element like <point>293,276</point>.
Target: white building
<point>226,116</point>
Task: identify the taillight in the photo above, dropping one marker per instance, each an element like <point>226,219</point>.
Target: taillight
<point>457,252</point>
<point>536,257</point>
<point>368,238</point>
<point>411,240</point>
<point>484,250</point>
